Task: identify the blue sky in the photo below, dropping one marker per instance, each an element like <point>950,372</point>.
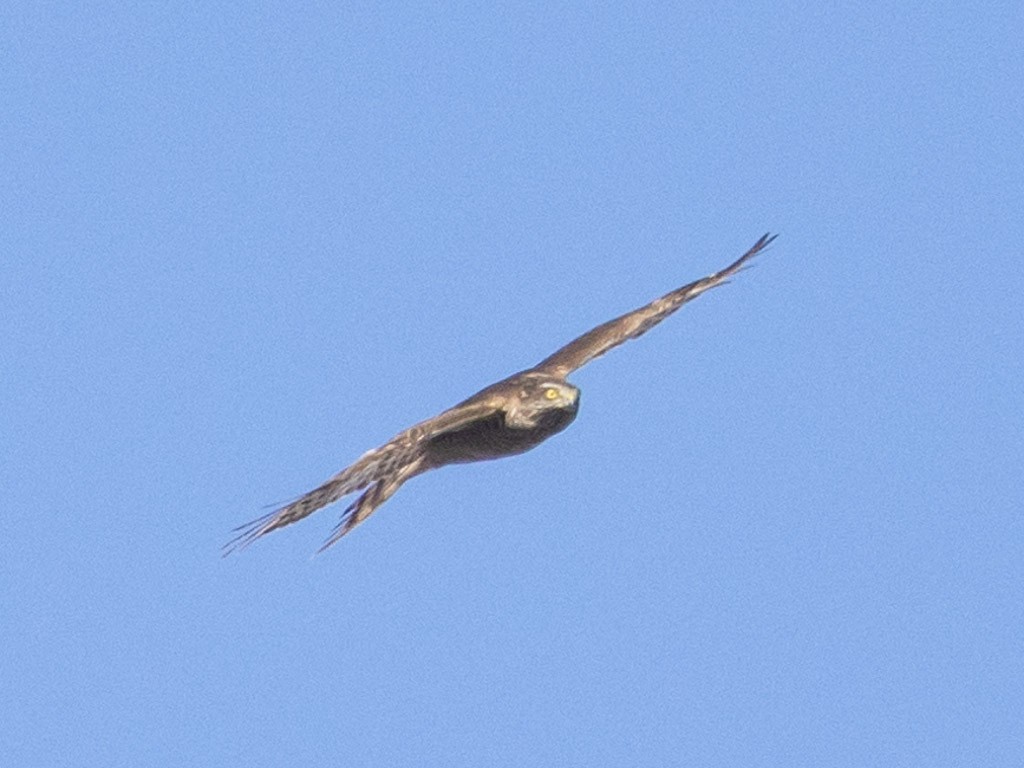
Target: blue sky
<point>246,243</point>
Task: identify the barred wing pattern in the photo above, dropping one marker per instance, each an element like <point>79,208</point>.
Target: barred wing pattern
<point>384,469</point>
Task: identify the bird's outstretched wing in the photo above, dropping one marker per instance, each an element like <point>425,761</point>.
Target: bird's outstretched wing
<point>384,469</point>
<point>599,340</point>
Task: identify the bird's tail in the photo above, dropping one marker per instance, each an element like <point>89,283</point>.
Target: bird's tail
<point>375,466</point>
<point>364,506</point>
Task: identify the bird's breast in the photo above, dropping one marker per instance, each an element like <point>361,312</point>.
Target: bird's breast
<point>492,438</point>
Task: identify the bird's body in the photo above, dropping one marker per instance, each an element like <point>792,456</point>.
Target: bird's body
<point>505,432</point>
<point>506,418</point>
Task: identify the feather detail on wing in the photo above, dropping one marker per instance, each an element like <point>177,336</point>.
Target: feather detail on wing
<point>377,494</point>
<point>606,336</point>
<point>384,469</point>
<point>370,467</point>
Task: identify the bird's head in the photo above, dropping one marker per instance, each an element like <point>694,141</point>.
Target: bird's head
<point>539,396</point>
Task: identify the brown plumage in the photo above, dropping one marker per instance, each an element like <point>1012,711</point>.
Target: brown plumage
<point>506,418</point>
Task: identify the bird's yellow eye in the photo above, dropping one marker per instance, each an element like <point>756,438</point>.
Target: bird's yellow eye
<point>550,393</point>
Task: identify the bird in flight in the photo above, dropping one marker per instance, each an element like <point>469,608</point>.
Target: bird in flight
<point>506,418</point>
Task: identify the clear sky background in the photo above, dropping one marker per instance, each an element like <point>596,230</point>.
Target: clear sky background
<point>244,244</point>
